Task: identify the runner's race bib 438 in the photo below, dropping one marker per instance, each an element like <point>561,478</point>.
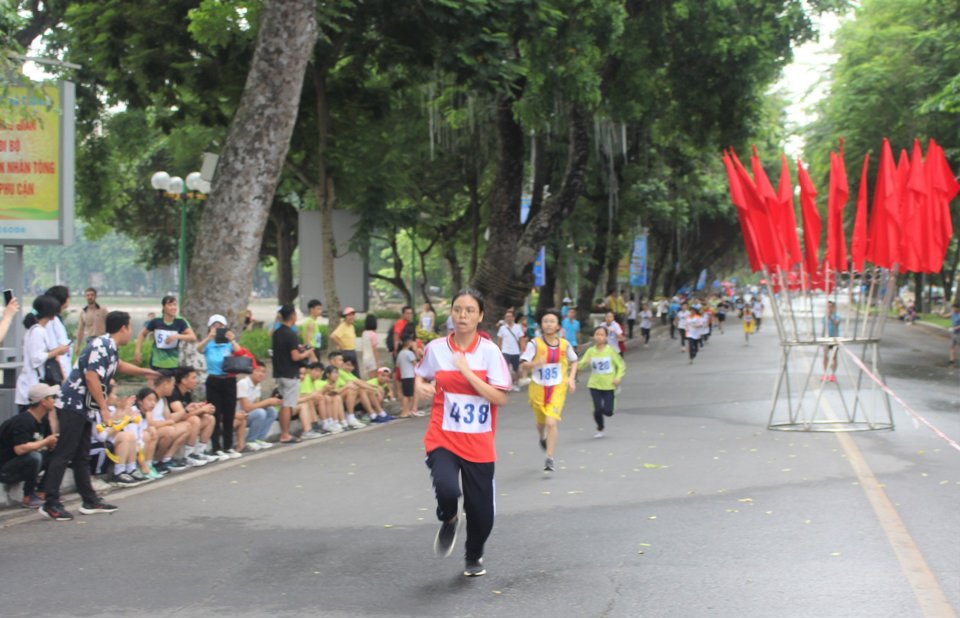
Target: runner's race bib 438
<point>466,413</point>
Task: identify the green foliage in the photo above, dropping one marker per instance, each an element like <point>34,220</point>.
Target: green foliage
<point>127,350</point>
<point>258,341</point>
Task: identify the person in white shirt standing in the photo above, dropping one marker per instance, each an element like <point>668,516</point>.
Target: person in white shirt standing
<point>631,316</point>
<point>511,340</point>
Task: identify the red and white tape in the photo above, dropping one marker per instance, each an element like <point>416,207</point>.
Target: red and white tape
<point>896,397</point>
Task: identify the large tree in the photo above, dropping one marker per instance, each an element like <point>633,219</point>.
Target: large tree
<point>231,229</point>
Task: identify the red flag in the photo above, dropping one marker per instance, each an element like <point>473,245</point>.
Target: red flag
<point>916,212</point>
<point>908,240</point>
<point>858,242</point>
<point>943,187</point>
<point>736,196</point>
<point>836,257</point>
<point>811,221</point>
<point>883,248</point>
<point>757,215</point>
<point>788,218</point>
<point>772,208</point>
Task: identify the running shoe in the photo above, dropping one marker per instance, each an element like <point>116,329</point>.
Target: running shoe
<point>55,511</point>
<point>474,568</point>
<point>355,424</point>
<point>139,476</point>
<point>221,456</point>
<point>250,447</point>
<point>161,467</point>
<point>419,413</point>
<point>195,461</point>
<point>548,465</point>
<point>335,428</point>
<point>543,443</point>
<point>176,465</point>
<point>233,454</point>
<point>33,501</point>
<point>311,435</point>
<point>833,378</point>
<point>94,508</point>
<point>599,434</point>
<point>446,538</point>
<point>264,445</point>
<point>153,474</point>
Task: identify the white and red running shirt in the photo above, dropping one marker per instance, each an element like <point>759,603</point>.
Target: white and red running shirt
<point>461,420</point>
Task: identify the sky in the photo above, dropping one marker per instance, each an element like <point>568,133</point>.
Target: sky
<point>803,80</point>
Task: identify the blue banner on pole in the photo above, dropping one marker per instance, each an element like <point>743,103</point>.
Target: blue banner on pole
<point>540,268</point>
<point>525,202</point>
<point>702,281</point>
<point>638,262</point>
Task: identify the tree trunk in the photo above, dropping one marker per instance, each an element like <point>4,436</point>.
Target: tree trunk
<point>598,258</point>
<point>453,262</point>
<point>326,199</point>
<point>224,259</point>
<point>504,274</point>
<point>286,225</point>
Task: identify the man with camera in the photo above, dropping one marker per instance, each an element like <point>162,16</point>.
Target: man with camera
<point>288,354</point>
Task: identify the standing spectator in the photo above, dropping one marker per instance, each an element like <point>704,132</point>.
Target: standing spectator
<point>954,333</point>
<point>57,330</point>
<point>84,390</point>
<point>310,326</point>
<point>511,340</point>
<point>36,351</point>
<point>646,322</point>
<point>220,343</point>
<point>631,316</point>
<point>406,317</point>
<point>9,312</point>
<point>93,320</point>
<point>24,439</point>
<point>287,355</point>
<point>344,337</point>
<point>571,327</point>
<point>260,412</point>
<point>369,341</point>
<point>407,363</point>
<point>465,377</point>
<point>168,331</point>
<point>672,310</point>
<point>831,329</point>
<point>428,320</point>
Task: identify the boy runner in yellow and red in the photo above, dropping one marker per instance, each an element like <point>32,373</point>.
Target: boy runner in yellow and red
<point>552,364</point>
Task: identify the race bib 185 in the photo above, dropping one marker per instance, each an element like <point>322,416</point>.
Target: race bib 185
<point>548,375</point>
<point>466,413</point>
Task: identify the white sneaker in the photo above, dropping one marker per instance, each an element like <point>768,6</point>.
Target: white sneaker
<point>336,428</point>
<point>355,424</point>
<point>195,461</point>
<point>234,454</point>
<point>264,445</point>
<point>219,456</point>
<point>599,434</point>
<point>310,435</point>
<point>252,446</point>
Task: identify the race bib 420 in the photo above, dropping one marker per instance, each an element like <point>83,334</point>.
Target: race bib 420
<point>466,413</point>
<point>601,365</point>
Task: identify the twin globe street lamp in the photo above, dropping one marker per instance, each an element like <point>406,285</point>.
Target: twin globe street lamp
<point>178,190</point>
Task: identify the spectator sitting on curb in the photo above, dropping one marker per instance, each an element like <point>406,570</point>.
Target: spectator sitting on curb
<point>109,442</point>
<point>367,399</point>
<point>182,406</point>
<point>384,385</point>
<point>174,430</point>
<point>24,441</point>
<point>310,405</point>
<point>258,413</point>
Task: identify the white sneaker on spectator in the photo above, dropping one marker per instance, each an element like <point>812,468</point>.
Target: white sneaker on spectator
<point>355,424</point>
<point>264,445</point>
<point>209,457</point>
<point>195,461</point>
<point>234,454</point>
<point>336,428</point>
<point>221,455</point>
<point>251,447</point>
<point>311,435</point>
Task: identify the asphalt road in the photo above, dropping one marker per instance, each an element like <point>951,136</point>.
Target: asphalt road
<point>689,507</point>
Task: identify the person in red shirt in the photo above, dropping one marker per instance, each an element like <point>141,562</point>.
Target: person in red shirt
<point>466,378</point>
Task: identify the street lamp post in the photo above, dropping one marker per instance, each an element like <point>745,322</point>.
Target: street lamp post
<point>173,188</point>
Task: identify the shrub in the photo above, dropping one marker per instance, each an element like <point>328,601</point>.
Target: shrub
<point>258,341</point>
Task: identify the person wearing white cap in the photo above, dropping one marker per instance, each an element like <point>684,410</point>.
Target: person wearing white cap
<point>23,440</point>
<point>220,343</point>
